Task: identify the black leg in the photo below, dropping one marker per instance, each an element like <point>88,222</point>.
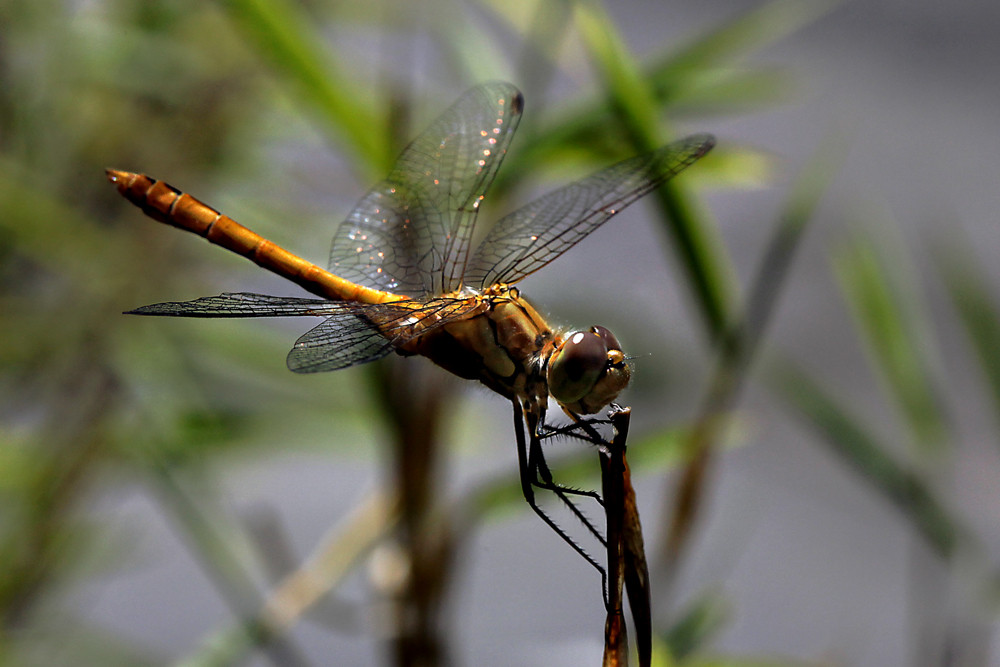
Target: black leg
<point>581,429</point>
<point>543,479</point>
<point>529,470</point>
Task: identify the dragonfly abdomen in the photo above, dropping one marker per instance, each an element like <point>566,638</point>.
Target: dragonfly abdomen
<point>165,203</point>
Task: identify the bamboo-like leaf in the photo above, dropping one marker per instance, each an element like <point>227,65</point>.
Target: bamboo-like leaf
<point>728,91</point>
<point>897,339</point>
<point>738,348</point>
<point>698,623</point>
<point>978,311</point>
<point>799,210</point>
<point>688,223</point>
<point>282,33</point>
<point>687,76</point>
<point>858,447</point>
<point>752,31</point>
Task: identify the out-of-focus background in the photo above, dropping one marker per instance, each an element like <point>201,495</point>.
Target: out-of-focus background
<point>170,492</point>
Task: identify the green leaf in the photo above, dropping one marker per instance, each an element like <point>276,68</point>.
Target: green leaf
<point>857,446</point>
<point>885,310</point>
<point>688,223</point>
<point>284,36</point>
<point>752,31</point>
<point>702,620</point>
<point>973,299</point>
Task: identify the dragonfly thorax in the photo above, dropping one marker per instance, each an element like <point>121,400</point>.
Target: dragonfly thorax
<point>587,370</point>
<point>505,343</point>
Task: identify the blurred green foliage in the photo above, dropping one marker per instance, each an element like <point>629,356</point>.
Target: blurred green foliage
<point>209,95</point>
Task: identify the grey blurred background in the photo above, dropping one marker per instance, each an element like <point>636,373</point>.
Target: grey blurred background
<point>173,440</point>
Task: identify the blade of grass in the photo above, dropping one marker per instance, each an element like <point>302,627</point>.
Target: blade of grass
<point>752,31</point>
<point>884,310</point>
<point>857,446</point>
<point>474,51</point>
<point>217,542</point>
<point>676,78</point>
<point>284,36</point>
<point>368,522</point>
<point>970,293</point>
<point>705,262</point>
<point>728,92</point>
<point>739,345</point>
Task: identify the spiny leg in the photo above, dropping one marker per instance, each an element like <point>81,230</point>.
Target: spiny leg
<point>581,429</point>
<point>542,478</point>
<point>529,477</point>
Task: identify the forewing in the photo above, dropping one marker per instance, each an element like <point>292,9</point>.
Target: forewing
<point>348,339</point>
<point>531,237</point>
<point>366,332</point>
<point>239,304</point>
<point>410,234</point>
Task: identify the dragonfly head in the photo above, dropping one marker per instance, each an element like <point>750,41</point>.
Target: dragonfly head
<point>588,370</point>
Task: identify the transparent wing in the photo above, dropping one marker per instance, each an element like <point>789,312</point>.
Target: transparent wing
<point>346,339</point>
<point>366,332</point>
<point>531,237</point>
<point>410,234</point>
<point>352,333</point>
<point>350,338</point>
<point>240,304</point>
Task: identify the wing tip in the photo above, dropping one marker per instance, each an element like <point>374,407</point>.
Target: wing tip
<point>702,142</point>
<point>143,310</point>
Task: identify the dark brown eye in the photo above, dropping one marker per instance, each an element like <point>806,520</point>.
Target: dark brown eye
<point>577,365</point>
<point>609,338</point>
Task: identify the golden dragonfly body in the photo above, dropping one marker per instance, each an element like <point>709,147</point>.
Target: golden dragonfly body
<point>403,277</point>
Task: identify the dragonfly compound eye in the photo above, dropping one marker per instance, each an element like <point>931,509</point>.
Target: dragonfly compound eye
<point>609,338</point>
<point>588,370</point>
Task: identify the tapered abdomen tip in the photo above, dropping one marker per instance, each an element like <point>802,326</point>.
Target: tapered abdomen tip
<point>117,176</point>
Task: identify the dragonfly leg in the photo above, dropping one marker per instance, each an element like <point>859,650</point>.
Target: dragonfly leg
<point>581,429</point>
<point>543,479</point>
<point>529,479</point>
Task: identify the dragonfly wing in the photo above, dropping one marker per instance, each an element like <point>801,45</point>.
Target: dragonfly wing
<point>531,237</point>
<point>240,304</point>
<point>410,234</point>
<point>360,333</point>
<point>338,342</point>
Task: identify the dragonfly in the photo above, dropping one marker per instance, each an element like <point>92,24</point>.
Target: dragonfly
<point>404,277</point>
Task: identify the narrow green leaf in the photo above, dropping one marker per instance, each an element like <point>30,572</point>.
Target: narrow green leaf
<point>857,446</point>
<point>285,37</point>
<point>688,223</point>
<point>741,342</point>
<point>752,31</point>
<point>727,91</point>
<point>628,93</point>
<point>698,74</point>
<point>702,620</point>
<point>970,293</point>
<point>884,309</point>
